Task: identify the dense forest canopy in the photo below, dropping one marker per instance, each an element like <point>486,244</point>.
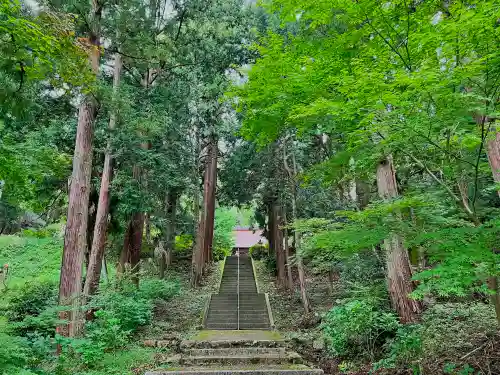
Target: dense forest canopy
<point>361,137</point>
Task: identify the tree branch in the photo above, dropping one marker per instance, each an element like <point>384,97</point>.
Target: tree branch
<point>180,25</point>
<point>450,192</point>
<point>388,43</point>
<point>478,160</point>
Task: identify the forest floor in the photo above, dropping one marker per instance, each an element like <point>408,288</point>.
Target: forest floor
<point>182,316</point>
<point>458,337</point>
<point>35,261</point>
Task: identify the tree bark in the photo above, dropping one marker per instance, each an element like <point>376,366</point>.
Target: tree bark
<point>132,243</point>
<point>296,237</point>
<point>210,192</point>
<point>101,222</point>
<point>493,151</point>
<point>147,223</point>
<point>287,251</point>
<point>93,202</point>
<point>171,214</point>
<point>399,275</point>
<point>70,284</point>
<point>270,229</point>
<point>278,242</point>
<point>197,259</point>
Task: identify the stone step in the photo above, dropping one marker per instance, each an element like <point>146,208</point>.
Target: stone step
<point>247,321</point>
<point>222,326</point>
<point>280,351</point>
<point>233,342</point>
<point>216,314</point>
<point>243,297</point>
<point>233,319</point>
<point>242,312</point>
<point>247,299</point>
<point>254,326</point>
<point>266,371</point>
<point>241,358</point>
<point>234,307</point>
<point>241,302</point>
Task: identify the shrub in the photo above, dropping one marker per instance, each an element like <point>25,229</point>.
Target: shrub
<point>271,265</point>
<point>31,299</point>
<point>152,289</point>
<point>106,329</point>
<point>404,349</point>
<point>259,251</point>
<point>40,233</point>
<point>223,243</point>
<point>14,354</point>
<point>183,243</point>
<point>43,324</point>
<point>358,327</point>
<point>131,310</point>
<point>456,328</point>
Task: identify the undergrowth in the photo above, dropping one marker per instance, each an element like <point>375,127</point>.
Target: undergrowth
<point>111,341</point>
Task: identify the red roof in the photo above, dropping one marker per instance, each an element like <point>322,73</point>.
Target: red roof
<point>246,238</point>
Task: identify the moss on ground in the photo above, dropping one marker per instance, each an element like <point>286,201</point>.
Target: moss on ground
<point>209,335</point>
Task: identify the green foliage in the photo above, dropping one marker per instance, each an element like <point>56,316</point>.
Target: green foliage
<point>259,251</point>
<point>404,349</point>
<point>271,264</point>
<point>104,333</point>
<point>451,328</point>
<point>372,79</point>
<point>30,310</point>
<point>14,353</point>
<point>31,260</point>
<point>153,289</point>
<point>451,368</point>
<point>358,327</point>
<point>223,243</point>
<point>31,299</point>
<point>183,243</point>
<point>131,310</point>
<point>41,233</point>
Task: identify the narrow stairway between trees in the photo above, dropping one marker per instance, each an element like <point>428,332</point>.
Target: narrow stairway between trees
<point>237,338</point>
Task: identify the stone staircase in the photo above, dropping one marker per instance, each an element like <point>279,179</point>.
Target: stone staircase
<point>236,353</point>
<point>238,306</point>
<point>237,339</point>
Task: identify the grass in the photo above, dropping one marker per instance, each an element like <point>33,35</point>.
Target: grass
<point>130,360</point>
<point>30,259</point>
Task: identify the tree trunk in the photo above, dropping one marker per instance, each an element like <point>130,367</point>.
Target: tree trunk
<point>210,191</point>
<point>292,173</point>
<point>270,228</point>
<point>300,265</point>
<point>287,252</point>
<point>93,201</point>
<point>101,222</point>
<point>147,223</point>
<point>363,194</point>
<point>171,213</point>
<point>399,280</point>
<point>132,244</point>
<point>493,150</point>
<point>104,269</point>
<point>278,243</point>
<point>198,255</point>
<point>70,284</point>
<point>197,259</point>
